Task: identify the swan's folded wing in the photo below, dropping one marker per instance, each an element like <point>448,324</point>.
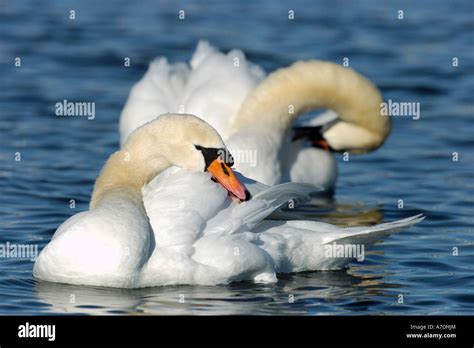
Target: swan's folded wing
<point>243,217</point>
<point>183,205</point>
<point>178,204</point>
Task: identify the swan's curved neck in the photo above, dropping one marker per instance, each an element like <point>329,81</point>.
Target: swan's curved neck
<point>310,85</point>
<point>127,171</point>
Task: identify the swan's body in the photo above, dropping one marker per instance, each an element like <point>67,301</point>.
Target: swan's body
<point>184,228</point>
<point>255,113</point>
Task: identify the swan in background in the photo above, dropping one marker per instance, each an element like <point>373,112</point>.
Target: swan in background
<point>258,116</point>
<point>168,209</point>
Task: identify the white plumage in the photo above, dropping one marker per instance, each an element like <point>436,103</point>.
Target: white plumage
<point>196,235</point>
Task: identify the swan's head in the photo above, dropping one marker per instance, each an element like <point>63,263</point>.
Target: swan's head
<point>188,142</point>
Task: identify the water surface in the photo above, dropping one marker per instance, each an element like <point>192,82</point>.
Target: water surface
<point>410,59</point>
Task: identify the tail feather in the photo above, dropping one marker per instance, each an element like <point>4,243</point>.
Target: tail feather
<point>297,246</point>
<point>370,235</point>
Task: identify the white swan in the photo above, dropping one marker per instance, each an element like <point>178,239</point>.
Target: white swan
<point>255,113</point>
<point>184,228</point>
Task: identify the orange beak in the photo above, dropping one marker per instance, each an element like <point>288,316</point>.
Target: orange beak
<point>226,177</point>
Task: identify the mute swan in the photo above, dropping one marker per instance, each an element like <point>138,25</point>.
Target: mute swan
<point>255,113</point>
<point>184,228</point>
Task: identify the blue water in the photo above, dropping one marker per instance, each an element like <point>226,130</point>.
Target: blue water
<point>410,60</point>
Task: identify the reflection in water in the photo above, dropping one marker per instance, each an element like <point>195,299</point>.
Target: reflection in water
<point>345,214</point>
<point>304,293</point>
<point>330,210</point>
